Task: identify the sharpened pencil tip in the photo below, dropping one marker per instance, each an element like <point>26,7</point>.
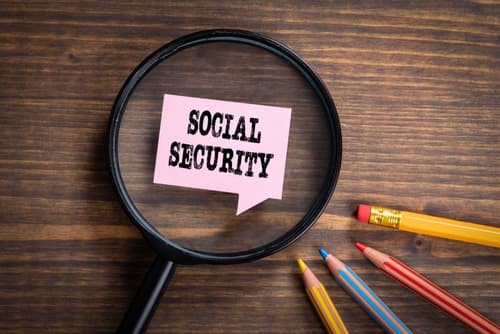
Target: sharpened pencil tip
<point>360,246</point>
<point>302,265</point>
<point>323,253</point>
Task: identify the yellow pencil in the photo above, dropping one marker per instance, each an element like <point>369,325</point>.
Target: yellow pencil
<point>430,225</point>
<point>321,301</point>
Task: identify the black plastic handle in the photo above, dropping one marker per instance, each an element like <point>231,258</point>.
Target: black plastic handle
<point>144,304</point>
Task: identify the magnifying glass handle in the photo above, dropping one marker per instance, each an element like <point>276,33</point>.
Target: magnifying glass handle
<point>144,304</point>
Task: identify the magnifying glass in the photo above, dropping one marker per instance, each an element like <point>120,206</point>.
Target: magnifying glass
<point>192,226</point>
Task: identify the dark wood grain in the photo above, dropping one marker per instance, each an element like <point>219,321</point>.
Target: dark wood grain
<point>416,85</point>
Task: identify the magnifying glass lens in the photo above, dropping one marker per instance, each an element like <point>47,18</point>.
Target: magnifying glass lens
<point>204,220</point>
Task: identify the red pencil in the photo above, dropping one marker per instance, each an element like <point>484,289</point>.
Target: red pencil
<point>429,291</point>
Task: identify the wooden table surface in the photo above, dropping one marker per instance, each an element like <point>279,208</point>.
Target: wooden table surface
<point>416,85</point>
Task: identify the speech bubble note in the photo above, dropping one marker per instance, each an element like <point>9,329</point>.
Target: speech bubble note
<point>223,146</point>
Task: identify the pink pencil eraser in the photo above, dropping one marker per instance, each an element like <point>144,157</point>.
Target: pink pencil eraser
<point>364,213</point>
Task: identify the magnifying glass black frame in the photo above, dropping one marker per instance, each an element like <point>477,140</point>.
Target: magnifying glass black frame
<point>169,252</point>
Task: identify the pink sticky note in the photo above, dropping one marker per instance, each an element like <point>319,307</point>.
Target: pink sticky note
<point>223,146</point>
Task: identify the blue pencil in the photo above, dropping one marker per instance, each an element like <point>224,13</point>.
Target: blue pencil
<point>364,295</point>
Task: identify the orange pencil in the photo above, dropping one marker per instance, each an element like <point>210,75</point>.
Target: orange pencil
<point>429,291</point>
<point>430,225</point>
<point>321,301</point>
